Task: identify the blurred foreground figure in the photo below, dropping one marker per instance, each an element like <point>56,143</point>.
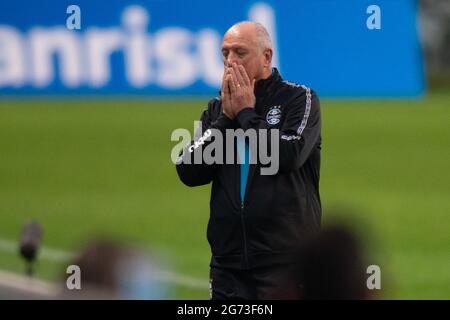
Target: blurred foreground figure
<point>113,271</point>
<point>332,266</point>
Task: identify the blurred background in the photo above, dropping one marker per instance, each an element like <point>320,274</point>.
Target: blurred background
<point>88,105</point>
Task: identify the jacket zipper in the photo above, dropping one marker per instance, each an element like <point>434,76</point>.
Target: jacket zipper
<point>244,235</point>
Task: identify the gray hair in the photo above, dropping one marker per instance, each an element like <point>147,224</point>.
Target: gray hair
<point>263,37</point>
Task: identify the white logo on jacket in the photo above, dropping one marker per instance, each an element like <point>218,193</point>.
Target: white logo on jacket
<point>274,115</point>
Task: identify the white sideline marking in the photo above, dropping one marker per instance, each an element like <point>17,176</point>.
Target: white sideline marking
<point>27,284</point>
<point>58,255</point>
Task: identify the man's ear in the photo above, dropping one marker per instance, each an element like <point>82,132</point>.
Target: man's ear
<point>268,53</point>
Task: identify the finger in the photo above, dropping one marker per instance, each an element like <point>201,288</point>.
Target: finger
<point>224,81</point>
<point>231,84</point>
<point>244,75</point>
<point>227,86</point>
<point>226,71</point>
<point>224,93</point>
<point>238,75</point>
<point>235,80</point>
<point>224,88</point>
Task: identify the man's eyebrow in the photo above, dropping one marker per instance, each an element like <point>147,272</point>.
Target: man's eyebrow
<point>237,47</point>
<point>240,48</point>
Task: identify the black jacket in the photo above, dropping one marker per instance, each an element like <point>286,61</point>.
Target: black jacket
<point>279,210</point>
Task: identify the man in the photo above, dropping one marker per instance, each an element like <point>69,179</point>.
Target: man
<point>257,222</point>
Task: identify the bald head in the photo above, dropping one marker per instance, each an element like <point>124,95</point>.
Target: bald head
<point>254,31</point>
<point>248,43</point>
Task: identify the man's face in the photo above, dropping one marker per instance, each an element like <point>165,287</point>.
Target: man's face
<point>241,46</point>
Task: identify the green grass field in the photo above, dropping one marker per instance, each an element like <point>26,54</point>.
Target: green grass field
<point>102,166</point>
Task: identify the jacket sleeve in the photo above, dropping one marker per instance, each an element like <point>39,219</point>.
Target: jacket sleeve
<point>299,133</point>
<point>191,171</point>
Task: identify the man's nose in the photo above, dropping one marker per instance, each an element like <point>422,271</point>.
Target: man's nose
<point>230,59</point>
<point>229,62</point>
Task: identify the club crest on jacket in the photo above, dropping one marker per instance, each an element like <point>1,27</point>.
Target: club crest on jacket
<point>274,115</point>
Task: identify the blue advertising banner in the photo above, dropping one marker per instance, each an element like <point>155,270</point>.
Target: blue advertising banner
<point>167,47</point>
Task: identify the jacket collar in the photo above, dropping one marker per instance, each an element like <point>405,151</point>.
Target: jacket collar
<point>264,85</point>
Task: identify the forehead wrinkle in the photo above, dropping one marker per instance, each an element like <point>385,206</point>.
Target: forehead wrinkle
<point>233,45</point>
<point>235,37</point>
